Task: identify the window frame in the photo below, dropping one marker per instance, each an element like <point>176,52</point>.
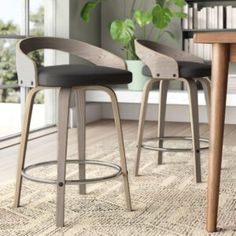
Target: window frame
<point>49,30</point>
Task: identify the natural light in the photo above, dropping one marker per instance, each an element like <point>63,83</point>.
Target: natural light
<point>14,26</point>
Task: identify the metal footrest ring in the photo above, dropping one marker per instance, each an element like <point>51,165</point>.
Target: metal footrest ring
<point>70,181</point>
<point>163,149</point>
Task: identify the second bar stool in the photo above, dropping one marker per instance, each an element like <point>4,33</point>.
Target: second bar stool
<point>164,64</point>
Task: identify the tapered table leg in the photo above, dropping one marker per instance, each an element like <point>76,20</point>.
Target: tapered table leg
<point>219,89</point>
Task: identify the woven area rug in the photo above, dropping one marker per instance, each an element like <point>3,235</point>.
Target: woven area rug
<point>165,199</point>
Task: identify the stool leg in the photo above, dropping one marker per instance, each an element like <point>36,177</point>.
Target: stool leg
<point>81,117</point>
<point>142,116</point>
<point>206,85</point>
<point>63,116</point>
<point>193,105</point>
<point>161,117</point>
<point>23,143</point>
<point>116,114</point>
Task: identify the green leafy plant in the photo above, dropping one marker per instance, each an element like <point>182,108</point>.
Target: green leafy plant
<point>124,30</point>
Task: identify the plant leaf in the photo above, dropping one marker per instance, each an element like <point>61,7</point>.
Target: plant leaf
<point>122,31</point>
<point>170,34</point>
<point>161,16</point>
<point>179,3</point>
<point>143,17</point>
<point>87,10</point>
<point>180,14</point>
<point>161,2</point>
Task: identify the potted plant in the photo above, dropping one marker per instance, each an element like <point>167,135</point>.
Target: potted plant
<point>153,23</point>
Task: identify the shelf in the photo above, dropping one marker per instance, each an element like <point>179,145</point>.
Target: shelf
<point>189,33</point>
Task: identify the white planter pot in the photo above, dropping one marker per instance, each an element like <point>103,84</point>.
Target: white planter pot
<point>139,80</point>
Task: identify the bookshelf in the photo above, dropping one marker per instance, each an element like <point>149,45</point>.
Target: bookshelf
<point>208,16</point>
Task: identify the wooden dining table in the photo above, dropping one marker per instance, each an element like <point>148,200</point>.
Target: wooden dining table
<point>224,52</point>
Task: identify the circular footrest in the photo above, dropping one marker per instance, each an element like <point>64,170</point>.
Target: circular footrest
<point>184,138</point>
<point>70,181</point>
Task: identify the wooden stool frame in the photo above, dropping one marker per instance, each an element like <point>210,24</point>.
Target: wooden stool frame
<point>28,77</point>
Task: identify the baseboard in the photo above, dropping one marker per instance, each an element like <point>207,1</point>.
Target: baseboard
<point>174,113</point>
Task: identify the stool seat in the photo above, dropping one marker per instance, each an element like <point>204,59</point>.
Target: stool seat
<point>71,75</point>
<point>188,70</point>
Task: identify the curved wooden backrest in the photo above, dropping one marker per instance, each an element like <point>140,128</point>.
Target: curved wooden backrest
<point>177,54</point>
<point>27,69</point>
<point>160,65</point>
<point>161,59</point>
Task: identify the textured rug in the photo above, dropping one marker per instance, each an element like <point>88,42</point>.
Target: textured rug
<point>165,199</point>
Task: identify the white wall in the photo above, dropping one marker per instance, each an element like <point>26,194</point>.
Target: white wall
<point>69,24</point>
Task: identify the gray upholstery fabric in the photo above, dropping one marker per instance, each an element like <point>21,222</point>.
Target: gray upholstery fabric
<point>188,70</point>
<point>76,74</point>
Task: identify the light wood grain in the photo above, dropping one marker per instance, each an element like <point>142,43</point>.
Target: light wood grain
<point>123,162</point>
<point>63,117</point>
<point>24,142</point>
<point>142,116</point>
<point>81,119</point>
<point>162,62</point>
<point>206,85</point>
<point>161,59</point>
<point>160,65</point>
<point>116,114</point>
<point>161,117</point>
<point>27,69</point>
<point>193,108</point>
<point>177,54</point>
<point>28,76</point>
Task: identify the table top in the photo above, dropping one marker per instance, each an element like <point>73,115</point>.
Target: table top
<point>218,38</point>
<point>215,37</point>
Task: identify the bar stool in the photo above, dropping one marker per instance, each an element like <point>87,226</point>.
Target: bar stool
<point>70,78</point>
<point>164,64</point>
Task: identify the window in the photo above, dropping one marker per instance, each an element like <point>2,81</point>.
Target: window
<point>26,18</point>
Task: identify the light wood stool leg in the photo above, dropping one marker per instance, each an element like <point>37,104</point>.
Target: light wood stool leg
<point>116,114</point>
<point>163,89</point>
<point>206,85</point>
<point>81,134</point>
<point>193,105</point>
<point>142,116</point>
<point>63,116</point>
<point>23,142</point>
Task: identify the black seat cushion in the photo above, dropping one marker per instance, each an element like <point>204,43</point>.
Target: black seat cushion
<point>188,70</point>
<point>75,75</point>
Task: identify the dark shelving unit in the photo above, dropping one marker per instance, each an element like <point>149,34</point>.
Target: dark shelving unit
<point>188,33</point>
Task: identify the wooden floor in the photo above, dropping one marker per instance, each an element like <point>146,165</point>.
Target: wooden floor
<point>44,148</point>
